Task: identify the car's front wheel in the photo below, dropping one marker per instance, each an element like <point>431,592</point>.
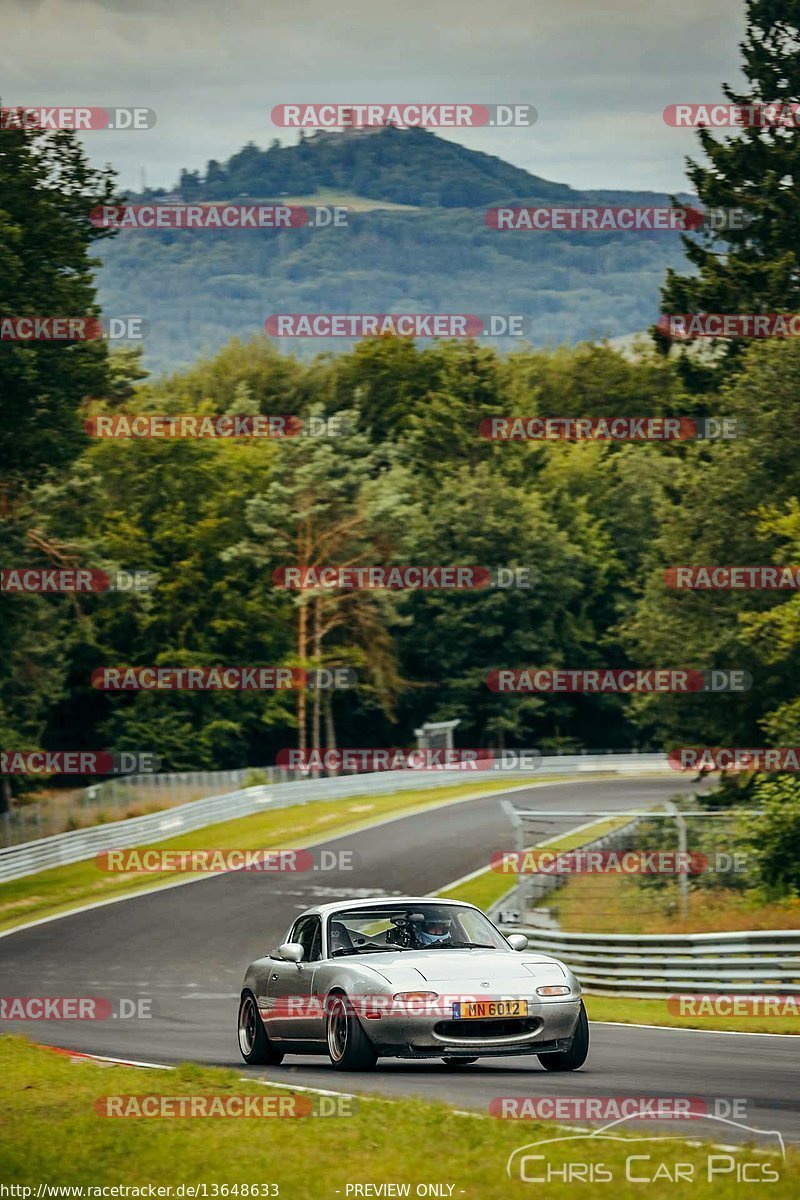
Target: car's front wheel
<point>570,1060</point>
<point>254,1045</point>
<point>349,1048</point>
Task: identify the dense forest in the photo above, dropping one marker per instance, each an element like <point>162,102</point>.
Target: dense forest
<point>409,480</point>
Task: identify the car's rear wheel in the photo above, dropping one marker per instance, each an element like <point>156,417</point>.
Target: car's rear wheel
<point>349,1048</point>
<point>570,1060</point>
<point>254,1045</point>
<point>459,1062</point>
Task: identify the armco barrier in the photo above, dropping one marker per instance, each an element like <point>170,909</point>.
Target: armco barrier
<point>755,962</point>
<point>80,844</point>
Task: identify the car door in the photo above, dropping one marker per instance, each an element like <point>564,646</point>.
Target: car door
<point>293,1011</point>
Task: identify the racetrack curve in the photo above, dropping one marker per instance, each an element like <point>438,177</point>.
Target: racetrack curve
<point>186,948</point>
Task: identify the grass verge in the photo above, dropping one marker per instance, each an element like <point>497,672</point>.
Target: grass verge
<point>51,1133</point>
<point>62,888</point>
<point>621,904</point>
<point>632,1011</point>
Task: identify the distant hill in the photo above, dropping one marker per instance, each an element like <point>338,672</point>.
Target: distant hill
<point>411,166</point>
<point>199,288</point>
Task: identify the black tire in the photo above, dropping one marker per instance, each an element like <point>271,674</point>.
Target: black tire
<point>254,1045</point>
<point>349,1048</point>
<point>459,1062</point>
<point>570,1060</point>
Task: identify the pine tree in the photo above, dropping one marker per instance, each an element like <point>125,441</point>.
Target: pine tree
<point>47,190</point>
<point>755,268</point>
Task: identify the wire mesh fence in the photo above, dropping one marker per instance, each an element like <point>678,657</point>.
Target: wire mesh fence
<point>632,872</point>
<point>59,811</point>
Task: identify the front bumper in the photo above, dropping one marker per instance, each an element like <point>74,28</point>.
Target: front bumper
<point>549,1027</point>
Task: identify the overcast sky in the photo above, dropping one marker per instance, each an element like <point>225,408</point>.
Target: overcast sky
<point>600,74</point>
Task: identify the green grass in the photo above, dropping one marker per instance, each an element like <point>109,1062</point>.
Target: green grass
<point>632,1011</point>
<point>620,904</point>
<point>484,890</point>
<point>62,888</point>
<point>51,1133</point>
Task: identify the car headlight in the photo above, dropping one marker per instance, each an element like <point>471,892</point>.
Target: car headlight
<point>553,989</point>
<point>415,996</point>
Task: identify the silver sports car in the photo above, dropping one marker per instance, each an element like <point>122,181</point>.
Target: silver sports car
<point>409,978</point>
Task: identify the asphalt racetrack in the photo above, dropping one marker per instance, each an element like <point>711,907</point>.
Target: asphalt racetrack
<point>186,949</point>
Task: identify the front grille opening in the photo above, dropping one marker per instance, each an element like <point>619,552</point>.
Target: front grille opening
<point>489,1028</point>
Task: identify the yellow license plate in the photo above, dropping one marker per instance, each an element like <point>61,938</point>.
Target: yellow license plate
<point>477,1009</point>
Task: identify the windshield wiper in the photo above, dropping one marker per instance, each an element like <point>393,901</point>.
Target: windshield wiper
<point>380,949</point>
<point>466,946</point>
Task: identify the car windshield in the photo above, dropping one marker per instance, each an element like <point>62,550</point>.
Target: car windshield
<point>406,926</point>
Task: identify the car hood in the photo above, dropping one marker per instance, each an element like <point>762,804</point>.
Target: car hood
<point>411,969</point>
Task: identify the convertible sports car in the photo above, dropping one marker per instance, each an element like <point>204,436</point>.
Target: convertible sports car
<point>409,978</point>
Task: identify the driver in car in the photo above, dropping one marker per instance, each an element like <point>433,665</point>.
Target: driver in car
<point>433,931</point>
<point>340,939</point>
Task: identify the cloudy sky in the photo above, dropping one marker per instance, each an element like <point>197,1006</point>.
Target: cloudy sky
<point>599,74</point>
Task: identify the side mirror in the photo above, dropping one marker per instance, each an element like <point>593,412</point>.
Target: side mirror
<point>517,941</point>
<point>291,952</point>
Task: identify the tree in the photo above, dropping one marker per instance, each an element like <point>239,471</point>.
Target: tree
<point>756,268</point>
<point>714,512</point>
<point>773,837</point>
<point>47,190</point>
<point>315,511</point>
<point>452,639</point>
<point>172,508</point>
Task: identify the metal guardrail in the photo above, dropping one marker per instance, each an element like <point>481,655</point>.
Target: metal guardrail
<point>81,844</point>
<point>757,961</point>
